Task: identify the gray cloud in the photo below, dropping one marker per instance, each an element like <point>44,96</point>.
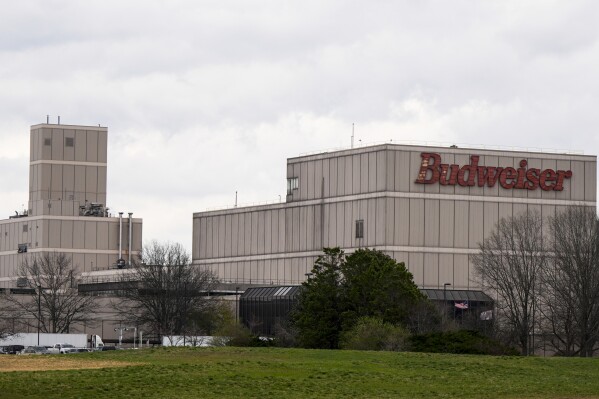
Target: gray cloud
<point>203,99</point>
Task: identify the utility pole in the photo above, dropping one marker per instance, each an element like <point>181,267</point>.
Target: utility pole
<point>39,312</point>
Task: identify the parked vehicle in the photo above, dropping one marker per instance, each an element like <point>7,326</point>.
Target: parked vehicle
<point>80,350</point>
<point>35,350</point>
<point>107,348</point>
<point>49,340</point>
<point>13,349</point>
<point>62,349</point>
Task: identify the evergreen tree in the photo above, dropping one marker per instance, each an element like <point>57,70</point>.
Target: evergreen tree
<point>318,314</point>
<point>342,290</point>
<point>375,285</point>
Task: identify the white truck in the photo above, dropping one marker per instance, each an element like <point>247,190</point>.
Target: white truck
<point>62,349</point>
<point>52,340</point>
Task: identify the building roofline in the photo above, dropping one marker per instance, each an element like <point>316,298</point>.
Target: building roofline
<point>499,151</point>
<point>57,126</point>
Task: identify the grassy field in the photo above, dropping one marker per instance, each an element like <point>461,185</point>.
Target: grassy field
<point>293,373</point>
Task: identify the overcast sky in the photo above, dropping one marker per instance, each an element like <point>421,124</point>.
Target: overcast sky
<point>205,98</point>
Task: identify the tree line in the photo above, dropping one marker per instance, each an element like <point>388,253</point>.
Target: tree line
<point>544,274</point>
<point>161,291</point>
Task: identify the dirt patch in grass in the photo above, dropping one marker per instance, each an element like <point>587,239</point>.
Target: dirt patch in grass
<point>48,363</point>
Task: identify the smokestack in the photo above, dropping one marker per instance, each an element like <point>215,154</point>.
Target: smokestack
<point>47,119</point>
<point>59,119</point>
<point>130,235</point>
<point>120,235</point>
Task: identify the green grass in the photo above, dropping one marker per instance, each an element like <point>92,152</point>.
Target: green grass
<point>294,373</point>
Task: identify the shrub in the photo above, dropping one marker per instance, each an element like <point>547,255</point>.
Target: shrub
<point>371,333</point>
<point>235,334</point>
<point>462,341</point>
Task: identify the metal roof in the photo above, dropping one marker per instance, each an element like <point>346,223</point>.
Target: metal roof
<point>455,295</point>
<point>271,292</point>
<point>291,291</point>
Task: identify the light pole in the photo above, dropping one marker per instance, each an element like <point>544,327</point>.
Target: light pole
<point>120,330</point>
<point>39,312</point>
<point>308,275</point>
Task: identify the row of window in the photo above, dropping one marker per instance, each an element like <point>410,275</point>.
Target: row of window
<point>68,141</point>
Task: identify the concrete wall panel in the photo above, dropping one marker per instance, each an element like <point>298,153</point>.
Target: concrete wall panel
<point>416,222</point>
<point>461,272</point>
<point>445,269</point>
<point>577,186</point>
<point>476,227</point>
<point>90,235</point>
<point>490,218</point>
<point>92,146</point>
<point>102,234</point>
<point>446,223</point>
<point>356,174</point>
<point>416,267</point>
<point>431,270</point>
<point>431,223</point>
<point>372,172</point>
<point>462,223</point>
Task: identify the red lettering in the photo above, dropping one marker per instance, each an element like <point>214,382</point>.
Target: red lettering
<point>521,174</point>
<point>471,169</point>
<point>561,174</point>
<point>426,166</point>
<point>433,171</point>
<point>533,179</point>
<point>548,175</point>
<point>453,178</point>
<point>508,173</point>
<point>488,174</point>
<point>443,176</point>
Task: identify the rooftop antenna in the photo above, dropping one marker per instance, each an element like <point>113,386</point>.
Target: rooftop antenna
<point>352,135</point>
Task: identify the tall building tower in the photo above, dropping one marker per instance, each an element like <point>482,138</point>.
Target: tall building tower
<point>67,205</point>
<point>67,169</point>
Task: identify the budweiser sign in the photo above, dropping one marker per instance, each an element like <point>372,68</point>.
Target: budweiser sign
<point>433,171</point>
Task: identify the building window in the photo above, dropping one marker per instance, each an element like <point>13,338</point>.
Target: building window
<point>22,248</point>
<point>48,141</point>
<point>25,228</point>
<point>68,141</point>
<point>359,228</point>
<point>292,184</point>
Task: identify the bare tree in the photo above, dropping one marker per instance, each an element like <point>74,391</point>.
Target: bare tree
<point>162,290</point>
<point>6,327</point>
<point>509,264</point>
<point>571,295</point>
<point>56,305</point>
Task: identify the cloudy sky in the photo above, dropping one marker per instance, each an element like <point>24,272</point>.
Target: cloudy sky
<point>205,98</point>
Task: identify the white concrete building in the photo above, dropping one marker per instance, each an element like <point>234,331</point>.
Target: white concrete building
<point>429,207</point>
<point>67,205</point>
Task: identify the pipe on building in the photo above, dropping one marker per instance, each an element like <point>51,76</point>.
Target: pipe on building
<point>120,236</point>
<point>130,235</point>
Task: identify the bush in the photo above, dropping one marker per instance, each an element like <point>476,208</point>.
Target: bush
<point>462,342</point>
<point>235,334</point>
<point>371,333</point>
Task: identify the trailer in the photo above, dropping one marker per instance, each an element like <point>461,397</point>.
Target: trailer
<point>49,340</point>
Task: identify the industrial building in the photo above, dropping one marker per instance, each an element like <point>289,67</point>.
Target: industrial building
<point>67,211</point>
<point>264,309</point>
<point>429,207</point>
